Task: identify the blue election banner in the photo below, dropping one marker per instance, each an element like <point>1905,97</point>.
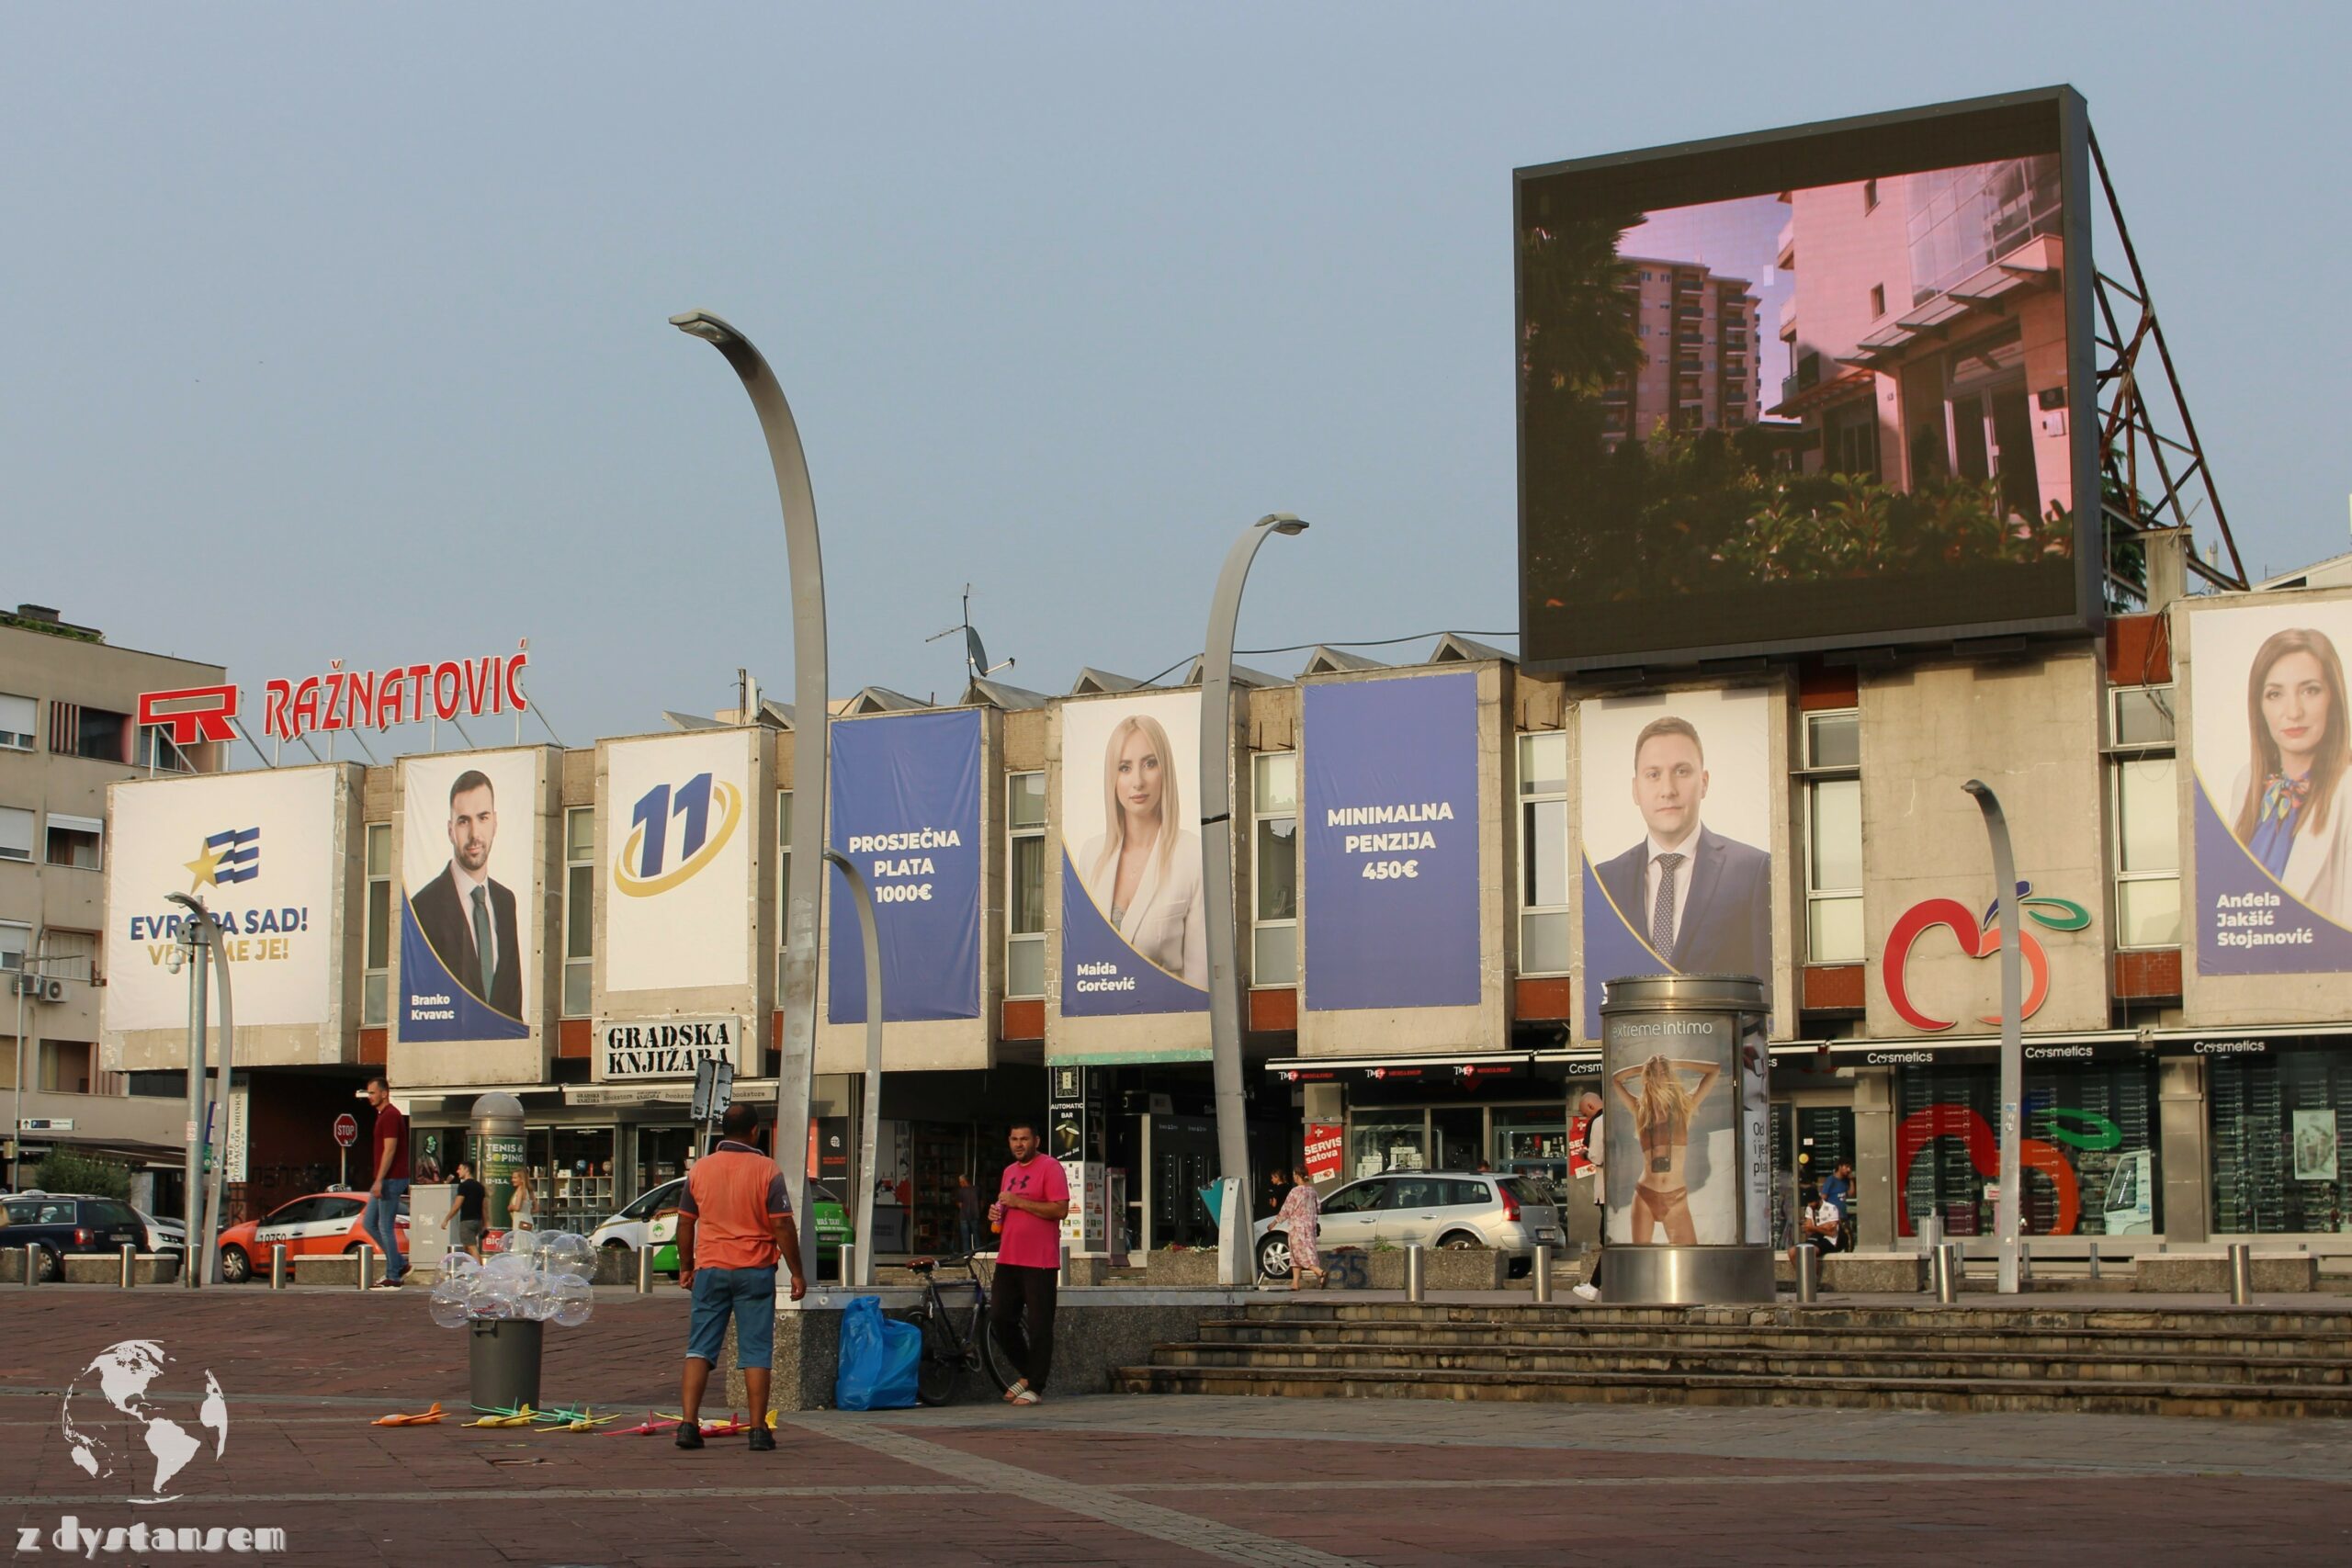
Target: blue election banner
<point>1390,817</point>
<point>1102,976</point>
<point>436,1005</point>
<point>906,811</point>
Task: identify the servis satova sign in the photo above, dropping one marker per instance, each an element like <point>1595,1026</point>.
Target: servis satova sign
<point>347,699</point>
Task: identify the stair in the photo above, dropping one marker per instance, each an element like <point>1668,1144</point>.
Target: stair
<point>2111,1361</point>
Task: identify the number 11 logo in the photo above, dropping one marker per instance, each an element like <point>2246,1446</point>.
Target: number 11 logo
<point>639,869</point>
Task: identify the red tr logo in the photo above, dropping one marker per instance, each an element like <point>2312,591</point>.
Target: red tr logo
<point>192,713</point>
<point>1975,941</point>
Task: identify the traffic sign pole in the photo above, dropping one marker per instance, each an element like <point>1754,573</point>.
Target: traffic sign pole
<point>346,1133</point>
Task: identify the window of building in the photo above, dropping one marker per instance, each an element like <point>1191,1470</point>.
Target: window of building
<point>15,941</point>
<point>1833,832</point>
<point>1274,868</point>
<point>18,717</point>
<point>2280,1162</point>
<point>65,1066</point>
<point>375,985</point>
<point>2147,805</point>
<point>75,842</point>
<point>1025,929</point>
<point>1946,1111</point>
<point>579,910</point>
<point>71,955</point>
<point>1878,299</point>
<point>154,749</point>
<point>16,833</point>
<point>98,734</point>
<point>1543,854</point>
<point>782,883</point>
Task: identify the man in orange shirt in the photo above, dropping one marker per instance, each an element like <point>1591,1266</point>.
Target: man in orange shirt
<point>734,1219</point>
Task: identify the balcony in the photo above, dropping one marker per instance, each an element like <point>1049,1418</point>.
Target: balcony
<point>1688,314</point>
<point>1784,249</point>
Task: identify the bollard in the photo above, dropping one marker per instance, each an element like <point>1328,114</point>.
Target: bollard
<point>130,1265</point>
<point>1808,1274</point>
<point>848,1264</point>
<point>1414,1289</point>
<point>2093,1260</point>
<point>1931,1232</point>
<point>1947,1272</point>
<point>2241,1274</point>
<point>32,1263</point>
<point>280,1268</point>
<point>1543,1272</point>
<point>367,1256</point>
<point>645,1270</point>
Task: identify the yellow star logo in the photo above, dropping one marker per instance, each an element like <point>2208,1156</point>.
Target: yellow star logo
<point>207,868</point>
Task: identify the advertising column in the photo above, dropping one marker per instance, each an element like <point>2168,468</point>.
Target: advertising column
<point>1390,820</point>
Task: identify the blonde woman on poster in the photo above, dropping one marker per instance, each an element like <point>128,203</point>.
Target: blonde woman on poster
<point>1662,1113</point>
<point>2290,809</point>
<point>1143,872</point>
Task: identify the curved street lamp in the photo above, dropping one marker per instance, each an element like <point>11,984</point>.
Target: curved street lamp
<point>201,1265</point>
<point>2005,882</point>
<point>1216,877</point>
<point>808,763</point>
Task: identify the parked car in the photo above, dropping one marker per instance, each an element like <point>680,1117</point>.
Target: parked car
<point>162,1236</point>
<point>63,1223</point>
<point>322,1225</point>
<point>1436,1208</point>
<point>652,1220</point>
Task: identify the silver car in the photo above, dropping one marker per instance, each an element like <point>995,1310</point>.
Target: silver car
<point>1436,1208</point>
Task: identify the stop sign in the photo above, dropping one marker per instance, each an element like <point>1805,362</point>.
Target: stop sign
<point>347,1130</point>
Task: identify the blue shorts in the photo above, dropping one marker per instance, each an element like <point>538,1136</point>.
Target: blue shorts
<point>747,1294</point>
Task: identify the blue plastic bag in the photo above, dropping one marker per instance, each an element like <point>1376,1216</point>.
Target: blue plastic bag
<point>879,1357</point>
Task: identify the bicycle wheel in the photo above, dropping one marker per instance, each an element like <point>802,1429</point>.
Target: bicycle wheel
<point>940,1366</point>
<point>990,1353</point>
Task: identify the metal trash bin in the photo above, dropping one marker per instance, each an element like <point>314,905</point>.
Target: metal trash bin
<point>503,1361</point>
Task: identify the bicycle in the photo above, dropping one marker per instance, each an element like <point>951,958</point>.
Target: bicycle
<point>955,1340</point>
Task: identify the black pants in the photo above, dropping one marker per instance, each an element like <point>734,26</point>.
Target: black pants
<point>1022,1312</point>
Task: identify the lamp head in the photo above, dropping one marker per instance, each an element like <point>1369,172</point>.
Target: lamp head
<point>706,326</point>
<point>1282,522</point>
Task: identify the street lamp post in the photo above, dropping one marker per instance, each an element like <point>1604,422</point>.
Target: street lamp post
<point>2004,880</point>
<point>801,892</point>
<point>203,1261</point>
<point>1216,880</point>
<point>870,1123</point>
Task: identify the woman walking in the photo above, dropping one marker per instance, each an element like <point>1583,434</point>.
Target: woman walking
<point>1300,1212</point>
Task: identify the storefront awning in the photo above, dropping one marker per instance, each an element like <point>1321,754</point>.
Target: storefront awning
<point>1378,1069</point>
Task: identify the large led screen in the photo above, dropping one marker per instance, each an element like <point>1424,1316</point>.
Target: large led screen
<point>1818,388</point>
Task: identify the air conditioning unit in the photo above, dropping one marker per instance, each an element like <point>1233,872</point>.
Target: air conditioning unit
<point>52,990</point>
<point>39,987</point>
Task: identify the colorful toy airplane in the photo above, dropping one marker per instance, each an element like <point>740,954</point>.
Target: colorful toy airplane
<point>580,1421</point>
<point>494,1415</point>
<point>652,1426</point>
<point>425,1419</point>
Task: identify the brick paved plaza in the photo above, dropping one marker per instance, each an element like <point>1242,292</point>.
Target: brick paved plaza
<point>1109,1479</point>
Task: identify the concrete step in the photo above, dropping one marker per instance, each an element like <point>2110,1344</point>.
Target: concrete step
<point>1414,1356</point>
<point>1575,1335</point>
<point>2226,1320</point>
<point>2019,1394</point>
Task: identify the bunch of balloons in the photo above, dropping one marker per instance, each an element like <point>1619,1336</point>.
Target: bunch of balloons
<point>541,1276</point>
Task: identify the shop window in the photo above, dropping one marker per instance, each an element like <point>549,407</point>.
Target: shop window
<point>2092,1165</point>
<point>579,910</point>
<point>1532,1141</point>
<point>17,715</point>
<point>783,885</point>
<point>572,1176</point>
<point>2146,808</point>
<point>1274,868</point>
<point>1832,834</point>
<point>1543,854</point>
<point>78,843</point>
<point>2279,1166</point>
<point>376,982</point>
<point>16,833</point>
<point>1025,928</point>
<point>1394,1141</point>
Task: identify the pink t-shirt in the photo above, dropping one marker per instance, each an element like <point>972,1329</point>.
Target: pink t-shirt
<point>1029,1242</point>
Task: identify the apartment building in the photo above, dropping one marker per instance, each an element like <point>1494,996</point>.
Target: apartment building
<point>1697,331</point>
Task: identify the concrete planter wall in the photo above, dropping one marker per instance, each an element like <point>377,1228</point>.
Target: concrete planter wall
<point>95,1269</point>
<point>2190,1274</point>
<point>1469,1269</point>
<point>1180,1270</point>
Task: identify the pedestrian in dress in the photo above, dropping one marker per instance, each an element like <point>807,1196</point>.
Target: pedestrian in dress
<point>1301,1210</point>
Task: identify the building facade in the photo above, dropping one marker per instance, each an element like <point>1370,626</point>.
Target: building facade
<point>69,730</point>
<point>1438,872</point>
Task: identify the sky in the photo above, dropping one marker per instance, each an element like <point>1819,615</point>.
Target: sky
<point>340,333</point>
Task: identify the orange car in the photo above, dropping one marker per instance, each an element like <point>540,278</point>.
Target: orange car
<point>321,1225</point>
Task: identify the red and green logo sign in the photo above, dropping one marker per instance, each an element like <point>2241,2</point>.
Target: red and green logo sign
<point>1978,938</point>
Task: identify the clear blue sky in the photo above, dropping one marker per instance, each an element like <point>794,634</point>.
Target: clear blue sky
<point>337,333</point>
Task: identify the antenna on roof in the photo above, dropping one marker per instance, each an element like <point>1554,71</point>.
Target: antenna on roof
<point>975,658</point>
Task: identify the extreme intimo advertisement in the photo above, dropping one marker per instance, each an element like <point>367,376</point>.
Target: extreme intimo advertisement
<point>471,860</point>
<point>1677,863</point>
<point>2274,813</point>
<point>1134,934</point>
<point>906,805</point>
<point>1390,821</point>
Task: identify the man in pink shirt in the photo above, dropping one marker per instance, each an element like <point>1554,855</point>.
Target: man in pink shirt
<point>1028,1215</point>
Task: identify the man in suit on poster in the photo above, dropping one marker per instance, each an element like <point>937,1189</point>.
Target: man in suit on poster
<point>468,918</point>
<point>1703,902</point>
